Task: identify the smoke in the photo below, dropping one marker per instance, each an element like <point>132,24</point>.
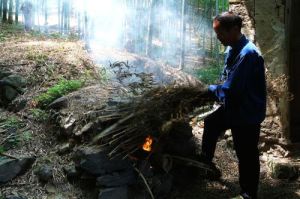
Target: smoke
<point>144,27</point>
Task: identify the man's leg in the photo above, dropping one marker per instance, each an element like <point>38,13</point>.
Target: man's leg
<point>214,126</point>
<point>245,140</point>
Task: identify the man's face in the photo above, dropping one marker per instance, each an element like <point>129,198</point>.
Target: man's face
<point>224,36</point>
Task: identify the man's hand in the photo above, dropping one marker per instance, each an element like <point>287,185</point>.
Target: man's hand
<point>209,92</point>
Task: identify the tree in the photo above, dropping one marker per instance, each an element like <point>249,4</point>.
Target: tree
<point>10,12</point>
<point>150,29</point>
<point>1,6</point>
<point>17,11</point>
<point>183,33</point>
<point>45,5</point>
<point>4,11</point>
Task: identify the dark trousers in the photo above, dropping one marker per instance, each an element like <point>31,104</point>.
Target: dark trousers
<point>245,139</point>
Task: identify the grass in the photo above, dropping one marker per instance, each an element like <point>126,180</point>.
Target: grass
<point>62,88</point>
<point>11,122</point>
<point>13,136</point>
<point>39,115</point>
<point>210,74</point>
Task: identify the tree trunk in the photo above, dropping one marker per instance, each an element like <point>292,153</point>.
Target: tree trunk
<point>46,15</point>
<point>17,11</point>
<point>10,12</point>
<point>4,16</point>
<point>150,29</point>
<point>1,7</point>
<point>58,14</point>
<point>183,34</point>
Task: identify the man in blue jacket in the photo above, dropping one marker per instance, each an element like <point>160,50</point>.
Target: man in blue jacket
<point>243,102</point>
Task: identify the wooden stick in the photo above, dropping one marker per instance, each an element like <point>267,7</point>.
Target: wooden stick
<point>108,130</point>
<point>192,162</point>
<point>9,156</point>
<point>145,181</point>
<point>9,65</point>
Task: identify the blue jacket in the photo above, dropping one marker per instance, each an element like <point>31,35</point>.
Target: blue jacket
<point>243,92</point>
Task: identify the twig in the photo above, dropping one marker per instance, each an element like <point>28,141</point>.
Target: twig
<point>7,138</point>
<point>9,65</point>
<point>9,156</point>
<point>145,181</point>
<point>192,162</point>
<point>108,130</point>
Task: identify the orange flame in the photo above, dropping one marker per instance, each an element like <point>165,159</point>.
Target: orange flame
<point>148,144</point>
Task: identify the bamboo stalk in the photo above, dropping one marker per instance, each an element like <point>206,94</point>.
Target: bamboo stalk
<point>108,130</point>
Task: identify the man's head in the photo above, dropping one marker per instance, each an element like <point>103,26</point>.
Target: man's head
<point>228,26</point>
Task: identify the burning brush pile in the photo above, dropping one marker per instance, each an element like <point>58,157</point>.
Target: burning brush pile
<point>149,146</point>
<point>142,141</point>
<point>147,120</point>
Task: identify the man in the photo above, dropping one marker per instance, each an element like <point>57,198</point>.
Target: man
<point>243,103</point>
<point>27,9</point>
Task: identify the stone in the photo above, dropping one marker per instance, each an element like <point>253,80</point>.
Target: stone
<point>94,161</point>
<point>44,173</point>
<point>117,179</point>
<point>15,80</point>
<point>234,1</point>
<point>59,103</point>
<point>11,168</point>
<point>64,148</point>
<point>4,74</point>
<point>114,193</point>
<point>282,169</point>
<point>71,173</point>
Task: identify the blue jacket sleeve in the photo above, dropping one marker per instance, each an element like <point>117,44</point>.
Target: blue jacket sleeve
<point>233,89</point>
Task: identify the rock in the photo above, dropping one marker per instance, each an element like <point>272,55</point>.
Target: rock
<point>17,105</point>
<point>229,142</point>
<point>283,169</point>
<point>15,80</point>
<point>234,1</point>
<point>11,168</point>
<point>71,173</point>
<point>65,148</point>
<point>114,193</point>
<point>117,179</point>
<point>86,128</point>
<point>59,103</point>
<point>44,173</point>
<point>4,74</point>
<point>94,161</point>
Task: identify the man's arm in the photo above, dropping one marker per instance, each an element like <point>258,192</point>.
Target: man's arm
<point>233,89</point>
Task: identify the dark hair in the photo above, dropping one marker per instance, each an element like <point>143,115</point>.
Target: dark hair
<point>228,20</point>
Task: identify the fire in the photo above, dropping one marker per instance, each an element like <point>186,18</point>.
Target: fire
<point>148,144</point>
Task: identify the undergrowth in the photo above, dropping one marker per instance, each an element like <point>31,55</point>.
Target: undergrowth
<point>210,74</point>
<point>13,132</point>
<point>62,88</point>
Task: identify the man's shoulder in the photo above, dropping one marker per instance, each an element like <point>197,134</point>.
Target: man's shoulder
<point>250,49</point>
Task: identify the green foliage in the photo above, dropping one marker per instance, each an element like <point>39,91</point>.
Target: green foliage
<point>39,115</point>
<point>210,74</point>
<point>26,136</point>
<point>62,88</point>
<point>13,133</point>
<point>2,150</point>
<point>11,122</point>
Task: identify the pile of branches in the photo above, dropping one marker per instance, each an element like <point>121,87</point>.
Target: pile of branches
<point>149,115</point>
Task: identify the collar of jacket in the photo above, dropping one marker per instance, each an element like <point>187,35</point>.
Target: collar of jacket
<point>240,44</point>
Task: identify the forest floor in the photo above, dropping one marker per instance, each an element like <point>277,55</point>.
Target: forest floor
<point>43,61</point>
